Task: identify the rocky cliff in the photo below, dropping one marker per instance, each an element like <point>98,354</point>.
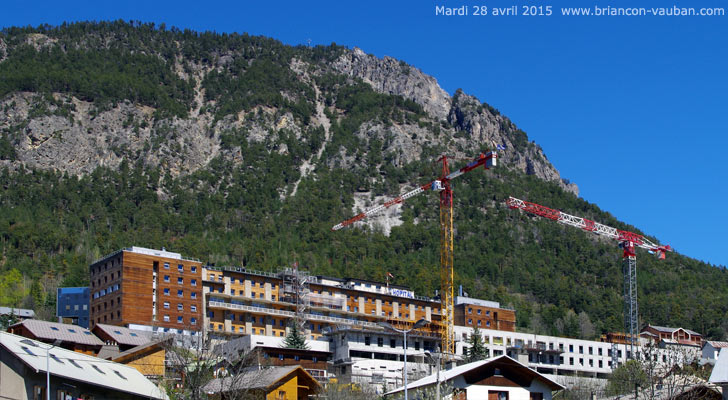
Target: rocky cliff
<point>70,132</point>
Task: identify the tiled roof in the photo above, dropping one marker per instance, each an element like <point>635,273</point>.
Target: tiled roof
<point>20,312</point>
<point>125,336</point>
<point>73,366</point>
<point>716,344</point>
<point>671,330</point>
<point>45,330</point>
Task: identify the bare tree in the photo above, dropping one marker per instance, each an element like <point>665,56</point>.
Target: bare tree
<point>194,368</point>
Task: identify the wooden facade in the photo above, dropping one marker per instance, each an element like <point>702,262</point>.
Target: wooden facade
<point>483,317</point>
<point>140,288</point>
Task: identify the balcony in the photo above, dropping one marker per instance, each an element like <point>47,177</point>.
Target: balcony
<point>290,314</point>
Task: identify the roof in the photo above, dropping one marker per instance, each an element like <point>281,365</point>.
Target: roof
<point>466,368</point>
<point>254,379</point>
<point>716,344</point>
<point>124,336</point>
<point>134,350</point>
<point>20,312</point>
<point>720,370</point>
<point>668,329</point>
<point>53,330</point>
<point>79,367</point>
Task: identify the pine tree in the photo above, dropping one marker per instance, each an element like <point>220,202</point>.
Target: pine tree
<point>477,350</point>
<point>295,338</point>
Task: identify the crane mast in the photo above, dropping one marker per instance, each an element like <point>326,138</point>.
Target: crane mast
<point>443,186</point>
<point>627,241</point>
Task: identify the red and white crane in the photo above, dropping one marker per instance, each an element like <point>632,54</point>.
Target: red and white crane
<point>627,241</point>
<point>441,185</point>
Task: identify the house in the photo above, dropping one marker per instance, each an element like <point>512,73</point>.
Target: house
<point>710,351</point>
<point>71,337</point>
<point>280,383</point>
<point>719,376</point>
<point>497,378</point>
<point>148,358</point>
<point>672,335</point>
<point>19,313</point>
<point>25,364</point>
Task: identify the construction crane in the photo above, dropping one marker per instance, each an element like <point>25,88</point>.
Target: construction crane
<point>443,186</point>
<point>627,241</point>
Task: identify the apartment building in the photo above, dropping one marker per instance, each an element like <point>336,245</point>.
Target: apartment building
<point>72,305</point>
<point>147,289</point>
<point>240,302</point>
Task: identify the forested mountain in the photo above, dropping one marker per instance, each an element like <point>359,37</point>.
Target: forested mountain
<point>239,150</point>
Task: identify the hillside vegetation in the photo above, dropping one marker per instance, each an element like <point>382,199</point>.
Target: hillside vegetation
<point>291,143</point>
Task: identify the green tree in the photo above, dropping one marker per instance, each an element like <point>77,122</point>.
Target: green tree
<point>8,319</point>
<point>477,350</point>
<point>11,288</point>
<point>295,339</point>
<point>625,378</point>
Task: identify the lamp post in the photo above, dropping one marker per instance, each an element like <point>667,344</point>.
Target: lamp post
<point>422,322</point>
<point>48,362</point>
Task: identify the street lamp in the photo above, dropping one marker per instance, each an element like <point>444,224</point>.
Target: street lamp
<point>422,322</point>
<point>48,362</point>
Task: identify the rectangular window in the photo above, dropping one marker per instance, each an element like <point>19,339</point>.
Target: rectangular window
<point>166,265</point>
<point>180,293</point>
<point>392,343</point>
<point>599,351</point>
<point>180,281</point>
<point>180,307</point>
<point>380,342</point>
<point>367,340</point>
<point>591,350</point>
<point>166,291</point>
<point>193,282</point>
<point>166,278</point>
<point>193,308</point>
<point>180,268</point>
<point>193,269</point>
<point>193,295</point>
<point>166,305</point>
<point>581,349</point>
<point>180,320</point>
<point>193,321</point>
<point>166,318</point>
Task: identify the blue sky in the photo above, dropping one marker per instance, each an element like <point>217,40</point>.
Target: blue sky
<point>632,109</point>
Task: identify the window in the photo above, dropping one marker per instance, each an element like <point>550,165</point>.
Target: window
<point>591,350</point>
<point>54,328</point>
<point>581,349</point>
<point>193,295</point>
<point>166,278</point>
<point>180,268</point>
<point>166,291</point>
<point>166,318</point>
<point>133,334</point>
<point>380,342</point>
<point>166,305</point>
<point>180,293</point>
<point>180,307</point>
<point>497,395</point>
<point>599,351</point>
<point>470,310</point>
<point>94,366</point>
<point>180,281</point>
<point>479,322</point>
<point>166,265</point>
<point>193,282</point>
<point>72,330</point>
<point>479,311</point>
<point>487,323</point>
<point>180,319</point>
<point>392,343</point>
<point>193,269</point>
<point>193,308</point>
<point>367,340</point>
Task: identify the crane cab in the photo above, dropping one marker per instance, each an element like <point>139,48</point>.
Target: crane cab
<point>437,186</point>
